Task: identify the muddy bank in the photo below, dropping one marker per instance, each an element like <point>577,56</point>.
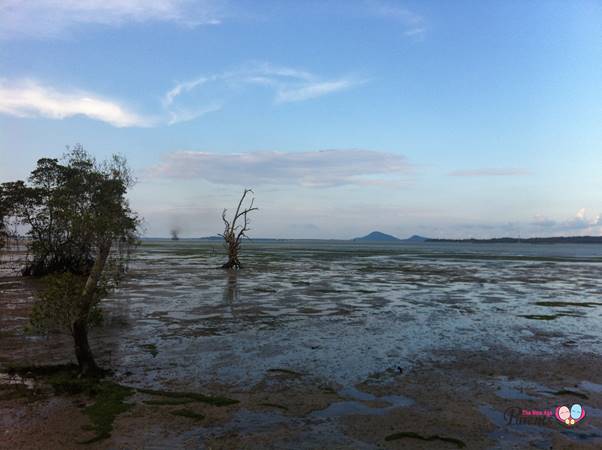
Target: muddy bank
<point>460,403</point>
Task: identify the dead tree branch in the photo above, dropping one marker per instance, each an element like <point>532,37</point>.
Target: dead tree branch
<point>234,231</point>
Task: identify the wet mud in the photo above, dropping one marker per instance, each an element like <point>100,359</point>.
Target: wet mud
<point>330,346</point>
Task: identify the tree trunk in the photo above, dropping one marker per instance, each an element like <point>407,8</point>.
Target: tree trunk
<point>94,277</point>
<point>83,353</point>
<point>233,261</point>
<point>232,264</point>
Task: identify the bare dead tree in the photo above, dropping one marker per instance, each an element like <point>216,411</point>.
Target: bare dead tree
<point>235,231</point>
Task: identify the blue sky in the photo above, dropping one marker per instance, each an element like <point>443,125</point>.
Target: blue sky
<point>440,118</point>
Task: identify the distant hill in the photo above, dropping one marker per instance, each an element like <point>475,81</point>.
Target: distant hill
<point>377,236</point>
<point>416,238</point>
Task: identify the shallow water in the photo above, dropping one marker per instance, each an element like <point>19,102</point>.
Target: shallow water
<point>337,311</point>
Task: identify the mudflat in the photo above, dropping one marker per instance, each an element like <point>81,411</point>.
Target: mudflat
<point>322,345</point>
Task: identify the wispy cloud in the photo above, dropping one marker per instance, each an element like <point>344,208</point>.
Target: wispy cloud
<point>490,172</point>
<point>180,88</point>
<point>31,99</point>
<point>312,169</point>
<point>184,115</point>
<point>313,90</point>
<point>413,24</point>
<point>48,18</point>
<point>185,101</point>
<point>288,84</point>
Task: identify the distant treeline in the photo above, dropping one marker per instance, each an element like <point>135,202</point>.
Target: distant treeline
<point>535,240</point>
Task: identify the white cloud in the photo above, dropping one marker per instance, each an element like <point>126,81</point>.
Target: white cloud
<point>413,24</point>
<point>490,172</point>
<point>312,90</point>
<point>180,88</point>
<point>581,223</point>
<point>47,18</point>
<point>185,115</point>
<point>183,102</point>
<point>312,169</point>
<point>287,84</point>
<point>272,70</point>
<point>30,99</point>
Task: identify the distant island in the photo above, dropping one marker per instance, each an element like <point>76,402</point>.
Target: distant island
<point>534,240</point>
<point>377,236</point>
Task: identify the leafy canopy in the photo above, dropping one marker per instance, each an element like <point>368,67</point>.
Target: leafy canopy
<point>72,211</point>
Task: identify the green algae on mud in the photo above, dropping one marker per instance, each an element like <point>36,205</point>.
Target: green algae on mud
<point>210,400</point>
<point>151,348</point>
<point>169,402</point>
<point>110,402</point>
<point>569,304</point>
<point>188,413</point>
<point>274,405</point>
<point>109,397</point>
<point>571,393</point>
<point>548,316</point>
<point>285,371</point>
<point>413,435</point>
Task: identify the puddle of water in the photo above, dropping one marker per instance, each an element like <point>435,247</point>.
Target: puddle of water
<point>591,387</point>
<point>355,406</point>
<point>518,389</point>
<point>512,393</point>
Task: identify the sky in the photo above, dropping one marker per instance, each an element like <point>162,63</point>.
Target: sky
<point>444,119</point>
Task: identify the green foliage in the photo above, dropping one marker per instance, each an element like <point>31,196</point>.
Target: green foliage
<point>71,209</point>
<point>75,213</point>
<point>3,214</point>
<point>60,304</point>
